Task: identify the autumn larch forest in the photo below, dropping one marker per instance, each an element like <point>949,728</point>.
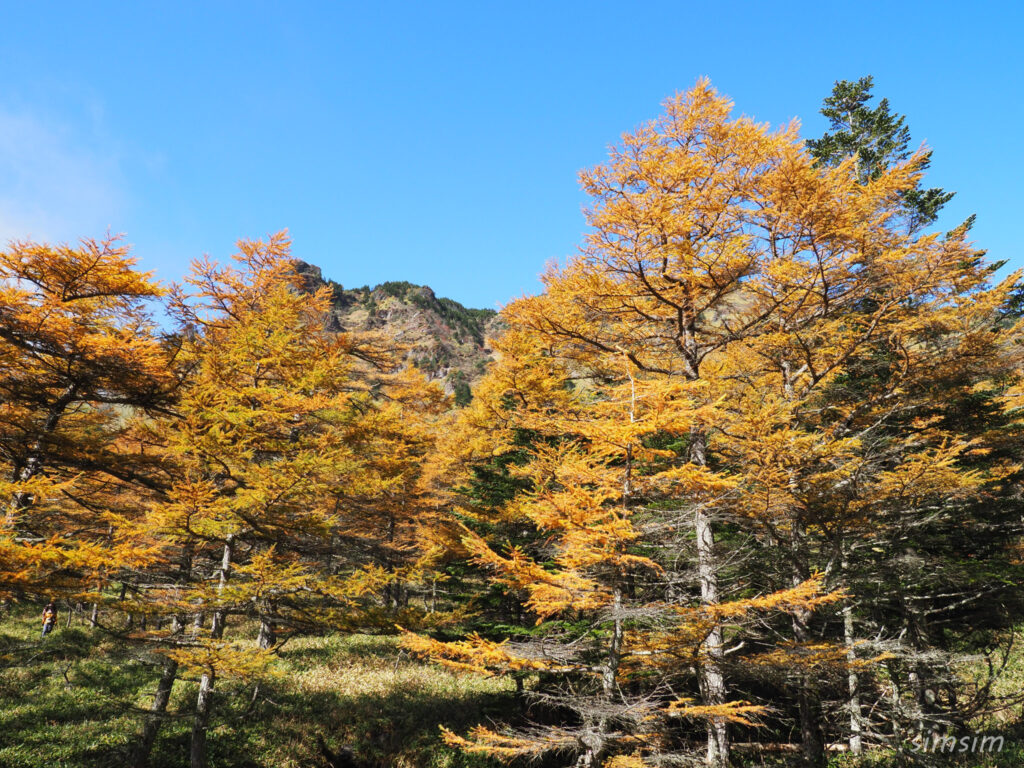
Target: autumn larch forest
<point>740,486</point>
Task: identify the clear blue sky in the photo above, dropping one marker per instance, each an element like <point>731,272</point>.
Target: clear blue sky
<point>439,142</point>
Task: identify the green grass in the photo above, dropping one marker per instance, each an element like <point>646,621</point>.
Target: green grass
<point>77,700</point>
<point>1012,756</point>
<point>1009,724</point>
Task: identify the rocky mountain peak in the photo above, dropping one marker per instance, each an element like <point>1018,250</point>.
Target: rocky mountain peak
<point>444,339</point>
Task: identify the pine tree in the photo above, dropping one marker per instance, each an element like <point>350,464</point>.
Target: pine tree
<point>878,140</point>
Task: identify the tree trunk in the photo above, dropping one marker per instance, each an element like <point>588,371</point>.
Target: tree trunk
<point>220,615</point>
<point>197,750</point>
<point>811,741</point>
<point>206,682</point>
<point>895,697</point>
<point>852,682</point>
<point>611,669</point>
<point>712,681</point>
<point>156,714</point>
<point>268,631</point>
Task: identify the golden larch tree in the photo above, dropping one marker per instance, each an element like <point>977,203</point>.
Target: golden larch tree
<point>79,354</point>
<point>294,452</point>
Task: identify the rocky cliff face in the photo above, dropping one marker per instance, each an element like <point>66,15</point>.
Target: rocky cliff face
<point>444,339</point>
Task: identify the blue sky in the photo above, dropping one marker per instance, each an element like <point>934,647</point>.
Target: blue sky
<point>439,142</point>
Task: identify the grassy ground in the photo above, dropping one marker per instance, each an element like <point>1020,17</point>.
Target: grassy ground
<point>1011,756</point>
<point>1009,724</point>
<point>76,700</point>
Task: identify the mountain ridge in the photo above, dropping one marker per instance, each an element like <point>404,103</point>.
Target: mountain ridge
<point>445,339</point>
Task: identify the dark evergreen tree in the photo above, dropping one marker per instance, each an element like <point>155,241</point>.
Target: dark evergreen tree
<point>935,582</point>
<point>879,139</point>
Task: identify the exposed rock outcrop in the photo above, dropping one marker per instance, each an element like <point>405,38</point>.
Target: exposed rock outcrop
<point>443,338</point>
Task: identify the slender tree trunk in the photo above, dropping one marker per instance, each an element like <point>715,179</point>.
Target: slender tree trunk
<point>811,741</point>
<point>220,615</point>
<point>611,670</point>
<point>390,592</point>
<point>919,677</point>
<point>712,681</point>
<point>206,682</point>
<point>268,636</point>
<point>595,730</point>
<point>895,697</point>
<point>852,682</point>
<point>197,750</point>
<point>130,620</point>
<point>268,629</point>
<point>593,743</point>
<point>156,714</point>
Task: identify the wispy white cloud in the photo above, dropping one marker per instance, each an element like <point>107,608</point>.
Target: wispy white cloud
<point>55,185</point>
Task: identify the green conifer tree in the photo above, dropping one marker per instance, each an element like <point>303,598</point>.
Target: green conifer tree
<point>879,139</point>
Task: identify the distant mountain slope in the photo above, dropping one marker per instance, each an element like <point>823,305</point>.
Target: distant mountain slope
<point>445,339</point>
